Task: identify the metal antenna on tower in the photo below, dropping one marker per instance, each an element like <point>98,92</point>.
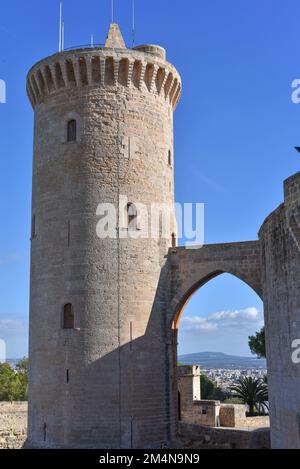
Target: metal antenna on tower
<point>60,28</point>
<point>133,23</point>
<point>112,11</point>
<point>63,36</point>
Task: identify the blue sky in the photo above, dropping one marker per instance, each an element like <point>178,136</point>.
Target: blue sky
<point>235,130</point>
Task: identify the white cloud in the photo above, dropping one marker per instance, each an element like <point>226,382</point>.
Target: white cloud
<point>13,257</point>
<point>14,335</point>
<point>11,327</point>
<point>243,318</point>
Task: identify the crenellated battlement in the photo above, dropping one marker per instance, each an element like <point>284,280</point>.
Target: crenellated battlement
<point>94,67</point>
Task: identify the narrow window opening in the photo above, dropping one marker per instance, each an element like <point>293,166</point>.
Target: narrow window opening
<point>33,227</point>
<point>68,319</point>
<point>179,406</point>
<point>131,216</point>
<point>45,432</point>
<point>131,331</point>
<point>72,131</point>
<point>68,376</point>
<point>169,158</point>
<point>174,240</point>
<point>69,233</point>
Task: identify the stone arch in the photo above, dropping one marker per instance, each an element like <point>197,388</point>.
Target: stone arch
<point>193,268</point>
<point>178,309</point>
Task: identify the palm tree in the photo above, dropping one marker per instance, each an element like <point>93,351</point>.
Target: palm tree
<point>252,391</point>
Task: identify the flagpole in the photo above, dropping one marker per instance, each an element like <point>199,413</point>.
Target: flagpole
<point>133,23</point>
<point>112,11</point>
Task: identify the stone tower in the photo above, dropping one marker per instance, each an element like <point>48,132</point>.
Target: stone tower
<point>98,359</point>
<point>280,248</point>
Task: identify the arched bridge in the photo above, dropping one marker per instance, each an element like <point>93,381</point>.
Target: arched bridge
<point>192,268</point>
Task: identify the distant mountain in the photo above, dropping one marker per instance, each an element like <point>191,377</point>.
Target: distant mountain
<point>221,360</point>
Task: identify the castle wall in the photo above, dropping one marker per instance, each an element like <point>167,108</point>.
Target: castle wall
<point>280,242</point>
<point>202,437</point>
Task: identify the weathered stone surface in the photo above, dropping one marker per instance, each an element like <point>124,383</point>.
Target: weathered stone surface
<point>201,437</point>
<point>115,358</point>
<point>114,38</point>
<point>13,424</point>
<point>281,277</point>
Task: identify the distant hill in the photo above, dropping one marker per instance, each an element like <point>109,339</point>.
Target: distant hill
<point>221,360</point>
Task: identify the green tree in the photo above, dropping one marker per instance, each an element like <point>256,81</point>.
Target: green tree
<point>257,344</point>
<point>22,365</point>
<point>253,392</point>
<point>210,391</point>
<point>22,379</point>
<point>207,387</point>
<point>233,400</point>
<point>14,383</point>
<point>7,377</point>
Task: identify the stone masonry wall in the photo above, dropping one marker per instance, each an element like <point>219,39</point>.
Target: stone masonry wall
<point>13,424</point>
<point>280,239</point>
<point>231,415</point>
<point>200,437</point>
<point>234,416</point>
<point>123,102</point>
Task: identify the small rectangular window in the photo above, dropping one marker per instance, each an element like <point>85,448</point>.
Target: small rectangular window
<point>72,131</point>
<point>33,227</point>
<point>68,317</point>
<point>131,335</point>
<point>131,216</point>
<point>69,233</point>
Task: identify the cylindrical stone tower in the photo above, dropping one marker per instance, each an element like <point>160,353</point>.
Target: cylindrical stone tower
<point>280,245</point>
<point>98,353</point>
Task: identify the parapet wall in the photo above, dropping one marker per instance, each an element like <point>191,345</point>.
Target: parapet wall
<point>200,437</point>
<point>104,67</point>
